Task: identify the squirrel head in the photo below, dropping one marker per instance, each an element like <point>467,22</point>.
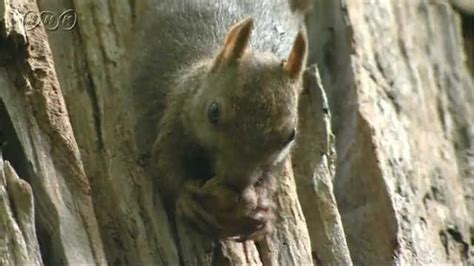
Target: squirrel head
<point>245,112</point>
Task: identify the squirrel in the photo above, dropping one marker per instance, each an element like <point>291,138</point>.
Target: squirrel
<point>226,106</point>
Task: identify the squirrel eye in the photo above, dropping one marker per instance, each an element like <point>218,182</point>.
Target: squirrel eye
<point>213,113</point>
<point>291,137</point>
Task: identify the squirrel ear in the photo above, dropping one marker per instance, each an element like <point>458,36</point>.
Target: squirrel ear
<point>235,44</point>
<point>297,58</point>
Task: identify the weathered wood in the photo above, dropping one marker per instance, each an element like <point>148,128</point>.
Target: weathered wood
<point>34,101</point>
<point>18,243</point>
<point>402,103</point>
<point>94,60</point>
<point>289,244</point>
<point>314,165</point>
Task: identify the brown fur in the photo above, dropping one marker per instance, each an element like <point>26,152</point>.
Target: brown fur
<point>219,176</point>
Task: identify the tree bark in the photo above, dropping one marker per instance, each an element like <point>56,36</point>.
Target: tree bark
<point>394,88</point>
<point>402,101</point>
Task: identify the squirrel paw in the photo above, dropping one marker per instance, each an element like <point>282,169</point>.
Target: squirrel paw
<point>219,210</point>
<point>194,213</point>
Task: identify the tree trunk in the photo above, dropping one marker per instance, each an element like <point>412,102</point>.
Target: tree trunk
<point>73,189</point>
